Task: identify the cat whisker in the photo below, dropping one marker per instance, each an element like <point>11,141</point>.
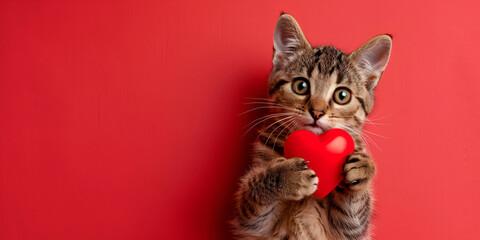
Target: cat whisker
<point>293,121</point>
<point>290,119</point>
<point>378,135</point>
<point>265,99</point>
<point>373,142</point>
<point>281,125</point>
<point>273,104</point>
<point>374,123</point>
<point>366,144</point>
<point>359,133</point>
<point>285,118</point>
<point>293,128</point>
<point>377,117</point>
<point>265,118</point>
<point>261,102</point>
<point>265,107</point>
<point>370,122</point>
<point>367,139</point>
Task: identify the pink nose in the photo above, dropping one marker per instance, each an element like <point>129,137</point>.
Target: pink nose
<point>317,113</point>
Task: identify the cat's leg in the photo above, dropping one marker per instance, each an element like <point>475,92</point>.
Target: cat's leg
<point>350,206</point>
<point>265,186</point>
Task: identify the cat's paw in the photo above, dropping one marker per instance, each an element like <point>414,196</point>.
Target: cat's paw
<point>294,180</point>
<point>358,171</point>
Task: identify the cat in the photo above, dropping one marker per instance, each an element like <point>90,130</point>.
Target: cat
<point>312,88</point>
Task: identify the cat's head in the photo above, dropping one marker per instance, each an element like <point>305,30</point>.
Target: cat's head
<point>321,88</point>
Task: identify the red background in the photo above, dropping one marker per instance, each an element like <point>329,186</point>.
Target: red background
<point>119,119</point>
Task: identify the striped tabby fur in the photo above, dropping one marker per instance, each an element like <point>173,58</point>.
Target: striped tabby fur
<point>275,199</point>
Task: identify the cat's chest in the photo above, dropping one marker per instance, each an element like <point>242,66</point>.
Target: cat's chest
<point>310,222</point>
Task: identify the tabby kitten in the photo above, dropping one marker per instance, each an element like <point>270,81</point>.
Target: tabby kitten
<point>312,88</point>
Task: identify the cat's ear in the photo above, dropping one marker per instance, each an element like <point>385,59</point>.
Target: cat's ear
<point>288,40</point>
<point>372,58</point>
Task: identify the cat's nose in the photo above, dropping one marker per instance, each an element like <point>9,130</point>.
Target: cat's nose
<point>317,113</point>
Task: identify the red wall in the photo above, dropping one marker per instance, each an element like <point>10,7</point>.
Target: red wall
<point>119,119</point>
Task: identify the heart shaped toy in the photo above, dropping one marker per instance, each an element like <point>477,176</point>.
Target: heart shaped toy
<point>326,154</point>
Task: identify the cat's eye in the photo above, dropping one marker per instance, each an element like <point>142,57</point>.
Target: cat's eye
<point>342,95</point>
<point>300,86</point>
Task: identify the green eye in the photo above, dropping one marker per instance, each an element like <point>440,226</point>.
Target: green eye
<point>342,95</point>
<point>300,86</point>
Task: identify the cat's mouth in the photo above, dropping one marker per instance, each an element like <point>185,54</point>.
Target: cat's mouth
<point>313,128</point>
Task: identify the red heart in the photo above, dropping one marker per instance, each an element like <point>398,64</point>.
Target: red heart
<point>326,154</point>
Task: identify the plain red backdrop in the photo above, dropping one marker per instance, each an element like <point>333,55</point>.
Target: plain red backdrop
<point>119,119</point>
